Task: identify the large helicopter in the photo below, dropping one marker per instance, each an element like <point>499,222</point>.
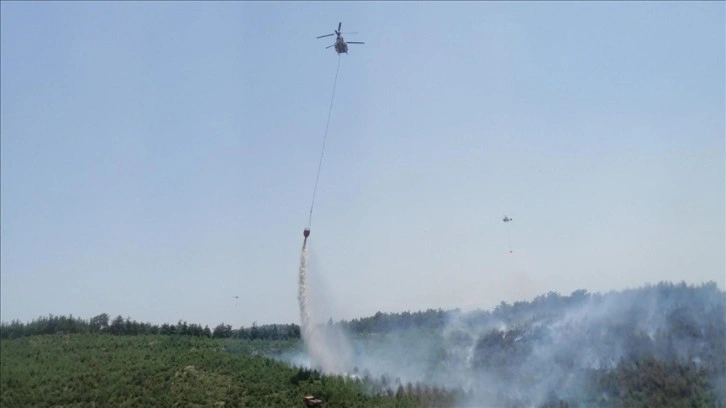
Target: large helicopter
<point>506,219</point>
<point>341,46</point>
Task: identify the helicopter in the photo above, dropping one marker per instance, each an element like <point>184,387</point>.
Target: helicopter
<point>341,46</point>
<point>507,219</point>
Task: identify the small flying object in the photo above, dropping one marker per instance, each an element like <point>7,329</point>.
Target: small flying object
<point>509,240</point>
<point>341,46</point>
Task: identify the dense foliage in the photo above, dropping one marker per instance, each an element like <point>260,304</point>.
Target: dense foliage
<point>659,345</point>
<point>166,371</point>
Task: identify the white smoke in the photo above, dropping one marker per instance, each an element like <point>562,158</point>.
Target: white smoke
<point>527,354</point>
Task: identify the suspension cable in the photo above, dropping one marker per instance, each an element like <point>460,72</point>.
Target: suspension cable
<point>325,137</point>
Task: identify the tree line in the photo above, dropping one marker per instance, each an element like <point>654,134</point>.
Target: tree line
<point>103,324</point>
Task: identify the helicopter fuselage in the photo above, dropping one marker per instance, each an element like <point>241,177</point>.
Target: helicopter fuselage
<point>341,46</point>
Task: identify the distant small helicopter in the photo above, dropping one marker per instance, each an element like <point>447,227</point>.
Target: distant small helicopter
<point>341,46</point>
<point>509,240</point>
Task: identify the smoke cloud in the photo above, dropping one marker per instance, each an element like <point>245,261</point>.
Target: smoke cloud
<point>531,353</point>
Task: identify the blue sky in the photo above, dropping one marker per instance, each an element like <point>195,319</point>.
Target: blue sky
<point>158,158</point>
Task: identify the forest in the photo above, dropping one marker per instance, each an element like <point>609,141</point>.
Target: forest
<point>657,345</point>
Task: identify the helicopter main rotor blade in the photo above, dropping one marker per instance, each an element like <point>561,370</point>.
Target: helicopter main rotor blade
<point>354,42</point>
<point>326,35</point>
<point>339,24</point>
<point>329,46</point>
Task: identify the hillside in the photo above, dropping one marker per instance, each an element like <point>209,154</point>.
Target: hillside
<point>90,370</point>
<point>638,347</point>
<point>658,345</point>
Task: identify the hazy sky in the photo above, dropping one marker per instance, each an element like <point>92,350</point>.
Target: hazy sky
<point>159,158</point>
